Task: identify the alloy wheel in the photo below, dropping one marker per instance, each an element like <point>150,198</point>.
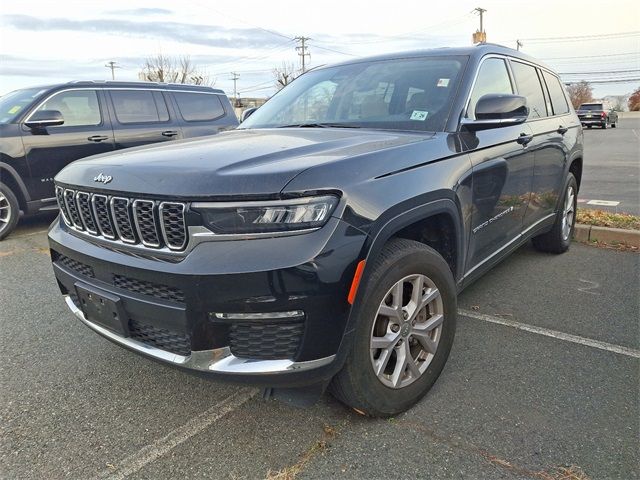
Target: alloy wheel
<point>5,212</point>
<point>406,331</point>
<point>568,213</point>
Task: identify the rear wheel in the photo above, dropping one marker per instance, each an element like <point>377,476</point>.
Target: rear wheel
<point>604,126</point>
<point>614,124</point>
<point>589,127</point>
<point>404,332</point>
<point>558,239</point>
<point>9,211</point>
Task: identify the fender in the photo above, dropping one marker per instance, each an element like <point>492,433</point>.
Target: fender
<point>16,177</point>
<point>379,236</point>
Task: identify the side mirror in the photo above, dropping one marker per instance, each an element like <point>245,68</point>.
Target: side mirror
<point>494,110</point>
<point>45,118</point>
<point>247,113</point>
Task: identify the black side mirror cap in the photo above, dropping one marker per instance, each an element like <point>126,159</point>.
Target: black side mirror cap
<point>495,110</point>
<point>45,118</point>
<point>247,113</point>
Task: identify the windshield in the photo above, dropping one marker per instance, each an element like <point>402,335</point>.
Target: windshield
<point>13,103</point>
<point>404,94</point>
<point>590,106</point>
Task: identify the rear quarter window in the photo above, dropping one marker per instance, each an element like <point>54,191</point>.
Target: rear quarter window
<point>556,92</point>
<point>198,107</point>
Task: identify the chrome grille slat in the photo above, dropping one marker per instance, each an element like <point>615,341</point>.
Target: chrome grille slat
<point>62,205</point>
<point>102,212</point>
<point>83,201</point>
<point>72,208</point>
<point>173,225</point>
<point>144,216</point>
<point>122,219</point>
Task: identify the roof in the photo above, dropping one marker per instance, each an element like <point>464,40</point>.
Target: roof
<point>118,84</point>
<point>476,51</point>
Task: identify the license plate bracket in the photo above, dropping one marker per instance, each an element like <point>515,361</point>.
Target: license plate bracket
<point>103,308</point>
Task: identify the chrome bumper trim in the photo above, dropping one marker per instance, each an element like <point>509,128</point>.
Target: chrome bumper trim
<point>220,360</point>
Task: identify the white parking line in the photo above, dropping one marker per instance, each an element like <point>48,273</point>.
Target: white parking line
<point>604,203</point>
<point>174,438</point>
<point>567,337</point>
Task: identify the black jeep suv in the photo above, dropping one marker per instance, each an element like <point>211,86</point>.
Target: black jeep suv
<point>42,129</point>
<point>323,243</point>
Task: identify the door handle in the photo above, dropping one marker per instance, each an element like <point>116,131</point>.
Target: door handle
<point>524,139</point>
<point>169,133</point>
<point>562,130</point>
<point>97,138</point>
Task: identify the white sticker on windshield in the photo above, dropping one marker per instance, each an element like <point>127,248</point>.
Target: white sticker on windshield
<point>443,82</point>
<point>419,115</point>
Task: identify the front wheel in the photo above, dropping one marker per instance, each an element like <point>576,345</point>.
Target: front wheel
<point>9,211</point>
<point>558,239</point>
<point>404,331</point>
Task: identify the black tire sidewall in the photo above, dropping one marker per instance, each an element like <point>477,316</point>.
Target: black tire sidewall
<point>385,400</point>
<point>15,210</point>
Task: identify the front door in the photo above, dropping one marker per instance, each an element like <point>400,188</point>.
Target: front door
<point>502,172</point>
<point>86,131</point>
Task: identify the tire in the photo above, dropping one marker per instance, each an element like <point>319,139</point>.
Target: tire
<point>589,126</point>
<point>604,126</point>
<point>9,211</point>
<point>614,124</point>
<point>558,239</point>
<point>357,385</point>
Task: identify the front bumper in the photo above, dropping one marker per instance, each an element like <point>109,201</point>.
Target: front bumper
<point>173,304</point>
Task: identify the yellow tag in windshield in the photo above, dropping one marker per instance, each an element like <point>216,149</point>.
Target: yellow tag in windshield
<point>15,109</point>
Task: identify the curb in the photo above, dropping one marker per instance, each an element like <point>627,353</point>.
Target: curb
<point>591,233</point>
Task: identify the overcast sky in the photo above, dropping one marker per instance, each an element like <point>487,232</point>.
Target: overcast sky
<point>46,42</point>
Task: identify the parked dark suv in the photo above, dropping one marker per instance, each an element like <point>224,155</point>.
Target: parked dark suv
<point>324,242</point>
<point>597,114</point>
<point>42,129</point>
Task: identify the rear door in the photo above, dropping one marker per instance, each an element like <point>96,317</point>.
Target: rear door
<point>502,172</point>
<point>141,117</point>
<point>548,144</point>
<point>86,131</point>
<point>203,113</point>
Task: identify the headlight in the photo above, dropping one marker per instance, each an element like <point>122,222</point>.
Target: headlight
<point>268,216</point>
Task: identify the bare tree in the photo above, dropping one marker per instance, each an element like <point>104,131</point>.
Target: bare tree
<point>580,93</point>
<point>634,101</point>
<point>164,68</point>
<point>284,75</point>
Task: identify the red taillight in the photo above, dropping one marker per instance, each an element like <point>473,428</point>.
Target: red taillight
<point>603,115</point>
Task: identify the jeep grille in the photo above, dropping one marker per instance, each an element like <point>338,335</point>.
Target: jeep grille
<point>134,221</point>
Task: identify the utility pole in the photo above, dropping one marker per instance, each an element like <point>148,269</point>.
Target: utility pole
<point>519,44</point>
<point>235,77</point>
<point>112,65</point>
<point>480,36</point>
<point>302,50</point>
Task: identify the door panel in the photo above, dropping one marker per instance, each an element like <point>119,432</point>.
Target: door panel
<point>141,117</point>
<point>502,175</point>
<point>49,150</point>
<point>551,155</point>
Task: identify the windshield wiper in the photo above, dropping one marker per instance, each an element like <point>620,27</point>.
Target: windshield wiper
<point>319,125</point>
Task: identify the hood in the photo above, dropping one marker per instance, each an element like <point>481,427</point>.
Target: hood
<point>239,162</point>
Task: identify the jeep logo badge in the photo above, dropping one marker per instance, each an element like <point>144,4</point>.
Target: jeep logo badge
<point>102,178</point>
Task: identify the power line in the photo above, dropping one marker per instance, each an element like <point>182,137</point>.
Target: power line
<point>604,36</point>
<point>594,56</point>
<point>333,50</point>
<point>600,72</point>
<point>622,80</point>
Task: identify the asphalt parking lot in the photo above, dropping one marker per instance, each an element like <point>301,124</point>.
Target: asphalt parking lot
<point>612,167</point>
<point>556,390</point>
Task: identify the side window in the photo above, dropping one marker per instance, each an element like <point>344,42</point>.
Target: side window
<point>529,86</point>
<point>556,92</point>
<point>493,77</point>
<point>138,106</point>
<point>198,107</point>
<point>78,107</point>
